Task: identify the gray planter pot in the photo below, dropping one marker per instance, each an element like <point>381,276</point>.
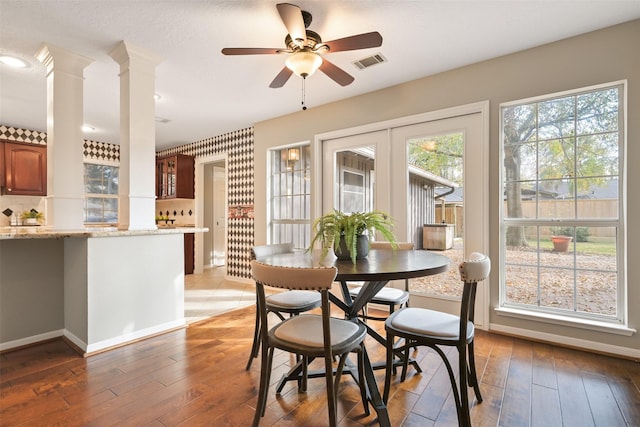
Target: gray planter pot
<point>362,248</point>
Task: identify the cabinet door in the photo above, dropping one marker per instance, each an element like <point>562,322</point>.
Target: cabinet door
<point>25,169</point>
<point>189,261</point>
<point>175,177</point>
<point>160,179</point>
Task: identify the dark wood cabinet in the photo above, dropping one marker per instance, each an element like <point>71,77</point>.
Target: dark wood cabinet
<point>24,169</point>
<point>189,252</point>
<point>175,177</point>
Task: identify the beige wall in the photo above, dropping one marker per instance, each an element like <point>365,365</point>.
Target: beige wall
<point>599,57</point>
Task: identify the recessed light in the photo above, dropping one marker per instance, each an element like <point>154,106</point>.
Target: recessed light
<point>157,97</point>
<point>13,61</point>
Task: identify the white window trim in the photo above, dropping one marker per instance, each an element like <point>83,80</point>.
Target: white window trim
<point>617,326</point>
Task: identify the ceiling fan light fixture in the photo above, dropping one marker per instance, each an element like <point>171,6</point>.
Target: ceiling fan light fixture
<point>304,63</point>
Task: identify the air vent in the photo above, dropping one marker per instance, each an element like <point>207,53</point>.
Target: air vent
<point>369,61</point>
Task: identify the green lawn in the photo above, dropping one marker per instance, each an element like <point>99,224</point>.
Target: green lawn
<point>595,248</point>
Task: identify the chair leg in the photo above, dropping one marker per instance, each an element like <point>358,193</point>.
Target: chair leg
<point>331,393</point>
<point>473,376</point>
<point>256,341</point>
<point>405,362</point>
<point>390,368</point>
<point>362,381</point>
<point>265,375</point>
<point>465,419</point>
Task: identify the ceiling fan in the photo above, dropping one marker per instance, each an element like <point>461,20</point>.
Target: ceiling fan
<point>304,48</point>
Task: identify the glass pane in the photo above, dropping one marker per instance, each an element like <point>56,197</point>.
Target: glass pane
<point>597,155</point>
<point>598,198</point>
<point>556,288</point>
<point>520,123</point>
<point>596,248</point>
<point>520,162</point>
<point>596,292</point>
<point>556,159</point>
<point>598,111</point>
<point>556,118</point>
<point>521,284</point>
<point>436,208</point>
<point>556,199</point>
<point>355,184</point>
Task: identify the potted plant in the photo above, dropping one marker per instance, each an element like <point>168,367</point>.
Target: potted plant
<point>348,234</point>
<point>32,217</point>
<point>561,237</point>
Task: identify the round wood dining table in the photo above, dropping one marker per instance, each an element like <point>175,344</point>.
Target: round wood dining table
<point>376,270</point>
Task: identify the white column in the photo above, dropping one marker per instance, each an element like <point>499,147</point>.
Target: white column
<point>137,136</point>
<point>65,170</point>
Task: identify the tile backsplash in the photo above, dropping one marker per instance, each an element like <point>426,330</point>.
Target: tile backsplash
<point>19,204</point>
<point>182,211</point>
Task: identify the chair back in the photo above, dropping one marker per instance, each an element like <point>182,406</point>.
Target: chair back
<point>298,278</point>
<point>474,269</point>
<point>266,250</point>
<point>403,246</point>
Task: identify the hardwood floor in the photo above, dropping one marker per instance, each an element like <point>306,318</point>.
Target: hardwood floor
<point>196,376</point>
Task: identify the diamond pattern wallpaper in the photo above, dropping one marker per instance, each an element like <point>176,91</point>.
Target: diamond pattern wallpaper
<point>238,146</point>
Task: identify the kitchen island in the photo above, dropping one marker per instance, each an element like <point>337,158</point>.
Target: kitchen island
<point>96,287</point>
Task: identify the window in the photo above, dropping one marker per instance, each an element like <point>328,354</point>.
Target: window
<point>562,179</point>
<point>101,194</point>
<point>290,196</point>
<point>352,192</point>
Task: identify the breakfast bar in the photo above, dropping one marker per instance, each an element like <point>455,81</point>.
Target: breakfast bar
<point>96,287</point>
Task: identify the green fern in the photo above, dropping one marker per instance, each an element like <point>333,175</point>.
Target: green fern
<point>333,225</point>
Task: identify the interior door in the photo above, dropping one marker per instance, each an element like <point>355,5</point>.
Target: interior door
<point>398,183</point>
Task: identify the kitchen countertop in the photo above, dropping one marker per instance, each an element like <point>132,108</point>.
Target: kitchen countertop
<point>36,232</point>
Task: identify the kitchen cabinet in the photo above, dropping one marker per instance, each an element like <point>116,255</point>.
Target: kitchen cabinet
<point>24,169</point>
<point>189,252</point>
<point>175,177</point>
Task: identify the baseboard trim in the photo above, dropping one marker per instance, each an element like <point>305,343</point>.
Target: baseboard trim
<point>565,341</point>
<point>35,339</point>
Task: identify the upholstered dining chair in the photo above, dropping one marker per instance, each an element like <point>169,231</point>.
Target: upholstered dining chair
<point>387,296</point>
<point>423,327</point>
<point>292,302</point>
<point>309,335</point>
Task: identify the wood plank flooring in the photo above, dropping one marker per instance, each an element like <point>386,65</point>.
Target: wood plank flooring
<point>196,376</point>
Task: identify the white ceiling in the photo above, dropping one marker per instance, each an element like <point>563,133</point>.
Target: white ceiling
<point>205,94</point>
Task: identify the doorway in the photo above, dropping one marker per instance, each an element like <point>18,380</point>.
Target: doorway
<point>211,209</point>
<point>383,158</point>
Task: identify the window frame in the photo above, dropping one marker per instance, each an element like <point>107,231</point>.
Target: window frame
<point>619,322</point>
<point>87,196</point>
<point>300,223</point>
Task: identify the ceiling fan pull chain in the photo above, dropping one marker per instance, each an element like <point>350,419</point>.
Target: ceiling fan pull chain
<point>304,80</point>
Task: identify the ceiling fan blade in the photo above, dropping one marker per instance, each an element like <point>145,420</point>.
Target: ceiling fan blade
<point>249,51</point>
<point>281,78</point>
<point>291,16</point>
<point>336,73</point>
<point>360,41</point>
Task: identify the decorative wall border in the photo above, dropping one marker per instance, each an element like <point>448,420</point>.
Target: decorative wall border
<point>92,151</point>
<point>23,135</point>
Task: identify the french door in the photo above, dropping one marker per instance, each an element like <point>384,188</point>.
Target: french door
<point>423,174</point>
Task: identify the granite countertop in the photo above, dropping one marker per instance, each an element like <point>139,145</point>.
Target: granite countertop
<point>36,232</point>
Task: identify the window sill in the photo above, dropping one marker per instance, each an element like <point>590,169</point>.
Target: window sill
<point>566,321</point>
